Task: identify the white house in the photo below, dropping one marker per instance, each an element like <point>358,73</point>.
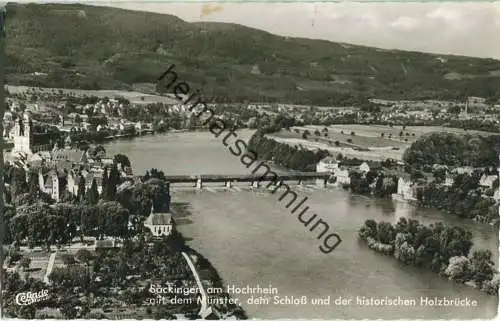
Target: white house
<point>464,170</point>
<point>364,167</point>
<point>342,176</point>
<point>327,165</point>
<point>487,181</point>
<point>449,180</point>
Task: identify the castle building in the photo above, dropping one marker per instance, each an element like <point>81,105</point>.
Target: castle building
<point>53,183</point>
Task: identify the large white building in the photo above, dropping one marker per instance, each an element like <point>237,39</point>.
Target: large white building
<point>331,165</point>
<point>327,165</point>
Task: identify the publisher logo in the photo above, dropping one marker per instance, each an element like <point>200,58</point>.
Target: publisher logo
<point>27,298</point>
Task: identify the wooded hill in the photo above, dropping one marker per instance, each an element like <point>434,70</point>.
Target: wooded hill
<point>89,47</point>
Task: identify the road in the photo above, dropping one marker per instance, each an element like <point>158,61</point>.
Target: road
<point>205,310</point>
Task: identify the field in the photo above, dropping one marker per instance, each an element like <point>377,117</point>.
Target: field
<point>370,142</point>
<point>134,96</point>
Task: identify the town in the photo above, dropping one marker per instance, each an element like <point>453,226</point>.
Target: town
<point>63,192</point>
<point>120,200</point>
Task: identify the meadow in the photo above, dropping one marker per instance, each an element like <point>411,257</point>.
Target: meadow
<point>370,142</point>
<point>134,96</point>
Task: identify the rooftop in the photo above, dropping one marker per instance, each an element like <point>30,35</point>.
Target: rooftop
<point>159,219</point>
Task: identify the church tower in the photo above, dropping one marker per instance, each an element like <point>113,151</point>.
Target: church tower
<point>22,135</point>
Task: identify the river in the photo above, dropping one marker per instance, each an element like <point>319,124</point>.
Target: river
<point>252,239</point>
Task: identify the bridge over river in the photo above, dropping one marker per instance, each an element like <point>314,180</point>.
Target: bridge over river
<point>254,180</point>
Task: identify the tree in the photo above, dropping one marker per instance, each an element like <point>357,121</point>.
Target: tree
<point>491,286</point>
<point>68,259</point>
<point>115,219</point>
<point>27,312</point>
<point>33,187</point>
<point>459,268</point>
<point>176,242</point>
<point>68,309</point>
<point>111,186</point>
<point>81,188</point>
<point>440,175</point>
<point>416,174</point>
<point>369,229</point>
<point>105,182</point>
<point>385,233</point>
<point>18,182</point>
<point>482,266</point>
<point>123,160</point>
<point>25,262</point>
<point>78,119</point>
<point>93,194</point>
<point>83,256</point>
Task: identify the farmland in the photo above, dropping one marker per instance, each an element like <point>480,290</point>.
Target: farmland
<point>370,142</point>
<point>134,96</point>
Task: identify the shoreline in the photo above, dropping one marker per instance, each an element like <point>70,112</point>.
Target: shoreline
<point>233,310</point>
<point>390,251</point>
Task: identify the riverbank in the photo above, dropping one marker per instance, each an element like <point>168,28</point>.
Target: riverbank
<point>463,197</point>
<point>215,298</point>
<point>253,242</point>
<point>415,244</point>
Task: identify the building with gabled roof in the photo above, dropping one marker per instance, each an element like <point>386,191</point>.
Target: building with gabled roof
<point>53,182</point>
<point>160,224</point>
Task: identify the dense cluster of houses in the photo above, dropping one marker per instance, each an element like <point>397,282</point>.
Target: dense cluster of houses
<point>62,170</point>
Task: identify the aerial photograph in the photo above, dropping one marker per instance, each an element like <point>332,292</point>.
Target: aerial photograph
<point>254,160</point>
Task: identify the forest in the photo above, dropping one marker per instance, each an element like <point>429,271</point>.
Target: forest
<point>454,150</point>
<point>291,157</point>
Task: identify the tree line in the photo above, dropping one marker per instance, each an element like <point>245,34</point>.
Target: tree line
<point>281,154</point>
<point>453,150</point>
<point>463,198</point>
<point>443,249</point>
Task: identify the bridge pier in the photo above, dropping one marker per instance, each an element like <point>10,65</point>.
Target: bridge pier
<point>255,184</point>
<point>228,184</point>
<point>199,183</point>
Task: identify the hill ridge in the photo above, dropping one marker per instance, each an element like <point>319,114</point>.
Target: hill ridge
<point>111,48</point>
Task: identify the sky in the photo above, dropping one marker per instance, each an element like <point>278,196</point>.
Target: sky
<point>470,28</point>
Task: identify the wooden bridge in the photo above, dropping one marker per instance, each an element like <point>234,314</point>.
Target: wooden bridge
<point>254,180</point>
